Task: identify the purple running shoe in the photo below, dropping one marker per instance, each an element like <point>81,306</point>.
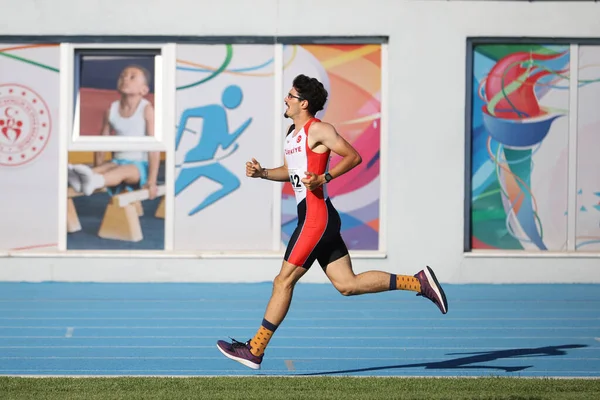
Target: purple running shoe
<point>431,289</point>
<point>240,352</point>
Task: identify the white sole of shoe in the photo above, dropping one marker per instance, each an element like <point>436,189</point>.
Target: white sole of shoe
<point>247,363</point>
<point>435,288</point>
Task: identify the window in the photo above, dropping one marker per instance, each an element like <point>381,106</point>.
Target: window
<point>532,174</point>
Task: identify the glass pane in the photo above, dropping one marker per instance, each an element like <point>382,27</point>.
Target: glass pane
<point>112,91</point>
<point>116,203</point>
<point>29,102</point>
<point>588,151</point>
<point>352,76</point>
<point>519,145</point>
<point>224,118</point>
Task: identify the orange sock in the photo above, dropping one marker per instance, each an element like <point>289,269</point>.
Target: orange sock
<point>260,341</point>
<point>404,282</point>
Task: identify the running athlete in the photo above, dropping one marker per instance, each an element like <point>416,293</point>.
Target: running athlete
<point>307,147</point>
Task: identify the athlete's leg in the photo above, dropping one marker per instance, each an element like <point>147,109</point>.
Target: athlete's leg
<point>251,353</point>
<point>102,168</point>
<point>128,174</point>
<point>338,268</point>
<point>344,279</point>
<point>281,295</point>
<point>299,256</point>
<point>278,306</point>
<point>74,178</point>
<point>91,180</point>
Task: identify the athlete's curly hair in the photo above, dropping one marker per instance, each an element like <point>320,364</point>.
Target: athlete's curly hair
<point>311,90</point>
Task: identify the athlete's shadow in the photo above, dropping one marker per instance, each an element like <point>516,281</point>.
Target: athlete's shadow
<point>475,358</point>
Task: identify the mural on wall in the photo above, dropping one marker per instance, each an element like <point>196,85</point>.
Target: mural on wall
<point>520,97</point>
<point>29,101</point>
<point>587,228</point>
<point>519,139</point>
<point>224,118</point>
<point>352,76</point>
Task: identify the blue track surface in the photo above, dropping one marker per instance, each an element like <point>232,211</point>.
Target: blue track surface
<point>171,329</point>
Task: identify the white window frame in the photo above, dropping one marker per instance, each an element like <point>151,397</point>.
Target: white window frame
<point>163,141</point>
<point>570,251</point>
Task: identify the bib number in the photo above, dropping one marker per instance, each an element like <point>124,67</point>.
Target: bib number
<point>295,181</point>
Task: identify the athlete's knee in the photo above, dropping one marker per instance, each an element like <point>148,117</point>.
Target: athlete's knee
<point>129,173</point>
<point>347,291</point>
<point>287,278</point>
<point>346,288</point>
<point>282,282</point>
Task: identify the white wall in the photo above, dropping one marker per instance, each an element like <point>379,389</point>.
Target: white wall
<point>423,229</point>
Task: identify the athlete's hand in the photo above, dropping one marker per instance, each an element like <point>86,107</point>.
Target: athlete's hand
<point>152,190</point>
<point>253,169</point>
<point>312,181</point>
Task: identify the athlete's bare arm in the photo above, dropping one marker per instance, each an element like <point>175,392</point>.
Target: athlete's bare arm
<point>255,170</point>
<point>322,136</point>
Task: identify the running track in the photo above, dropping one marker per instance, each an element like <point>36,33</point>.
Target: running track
<point>65,329</point>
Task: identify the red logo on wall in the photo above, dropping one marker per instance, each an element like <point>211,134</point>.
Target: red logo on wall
<point>24,124</point>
